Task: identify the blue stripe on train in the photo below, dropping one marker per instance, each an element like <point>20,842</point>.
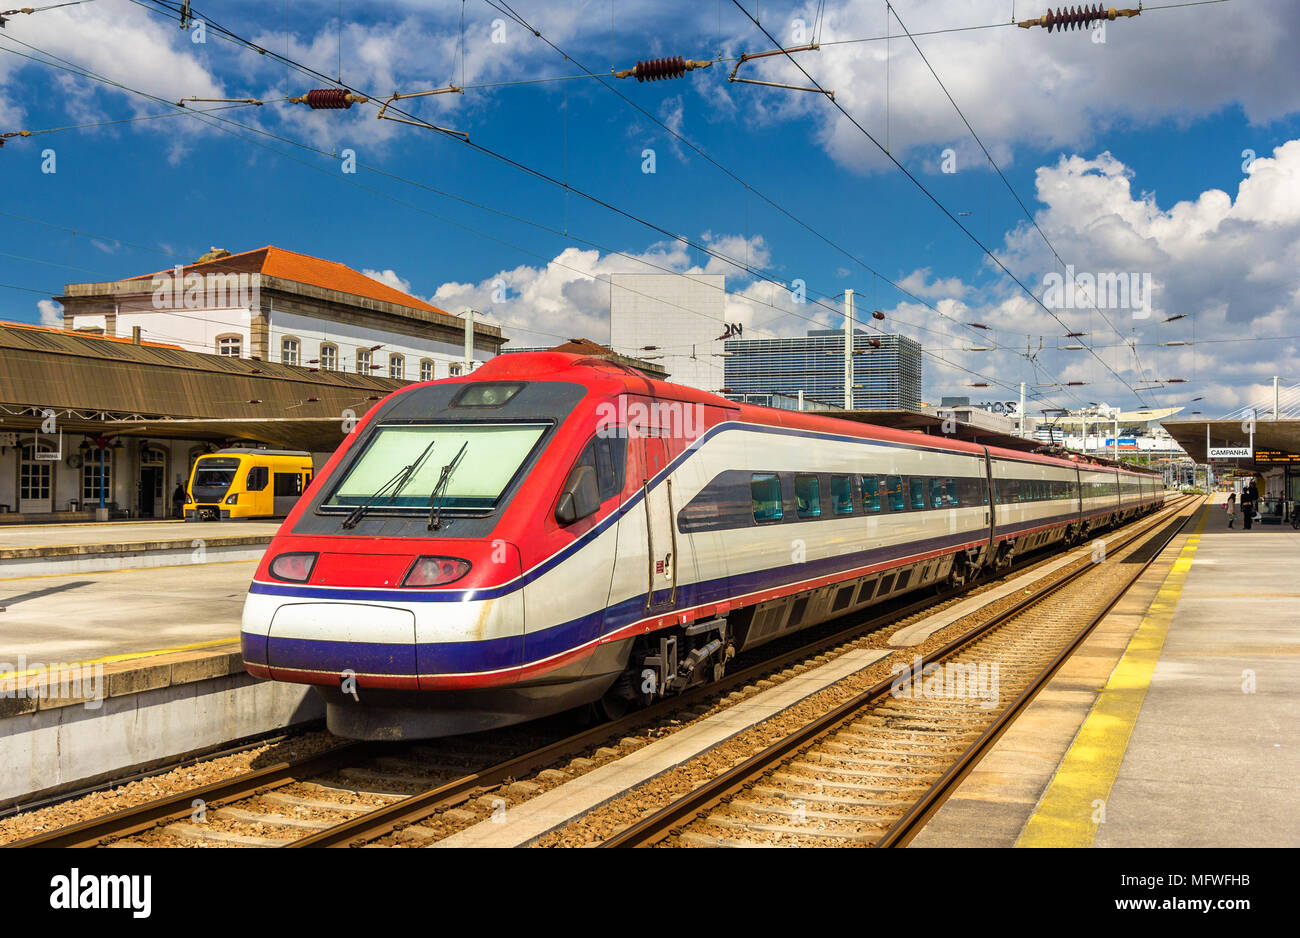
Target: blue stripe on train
<point>515,651</point>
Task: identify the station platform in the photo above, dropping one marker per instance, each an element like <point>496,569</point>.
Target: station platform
<point>119,650</point>
<point>1174,724</point>
<point>104,592</point>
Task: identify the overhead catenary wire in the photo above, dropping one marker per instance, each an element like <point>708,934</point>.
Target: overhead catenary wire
<point>648,115</point>
<point>689,242</point>
<point>943,208</point>
<point>993,163</point>
<point>202,116</point>
<point>682,239</point>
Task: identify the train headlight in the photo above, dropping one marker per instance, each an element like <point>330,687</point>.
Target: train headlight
<point>435,571</point>
<point>295,568</point>
<point>232,499</point>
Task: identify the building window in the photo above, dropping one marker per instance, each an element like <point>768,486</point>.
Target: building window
<point>396,366</point>
<point>289,350</point>
<point>90,478</point>
<point>453,369</point>
<point>363,361</point>
<point>426,370</point>
<point>232,346</point>
<point>329,357</point>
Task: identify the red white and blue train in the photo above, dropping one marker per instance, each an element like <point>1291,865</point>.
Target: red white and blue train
<point>552,531</point>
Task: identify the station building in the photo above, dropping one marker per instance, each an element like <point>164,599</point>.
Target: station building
<point>276,305</point>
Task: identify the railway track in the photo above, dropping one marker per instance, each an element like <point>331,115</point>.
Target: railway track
<point>873,770</point>
<point>360,792</point>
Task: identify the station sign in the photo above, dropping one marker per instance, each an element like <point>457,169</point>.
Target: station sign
<point>1125,442</point>
<point>1230,452</point>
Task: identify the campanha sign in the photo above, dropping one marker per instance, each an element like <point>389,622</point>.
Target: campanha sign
<point>1230,452</point>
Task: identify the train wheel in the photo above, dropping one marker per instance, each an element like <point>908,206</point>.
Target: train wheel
<point>620,700</point>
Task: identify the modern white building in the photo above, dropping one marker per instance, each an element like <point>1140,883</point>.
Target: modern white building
<point>281,306</point>
<point>680,315</point>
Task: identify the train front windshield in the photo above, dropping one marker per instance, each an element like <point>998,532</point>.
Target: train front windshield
<point>403,464</point>
<point>213,477</point>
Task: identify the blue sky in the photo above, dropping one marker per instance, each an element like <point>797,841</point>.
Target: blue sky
<point>1127,152</point>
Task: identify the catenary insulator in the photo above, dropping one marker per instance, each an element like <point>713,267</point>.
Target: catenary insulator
<point>659,69</point>
<point>1077,17</point>
<point>321,99</point>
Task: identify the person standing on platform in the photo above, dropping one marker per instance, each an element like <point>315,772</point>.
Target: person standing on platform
<point>1230,507</point>
<point>178,501</point>
<point>1249,501</point>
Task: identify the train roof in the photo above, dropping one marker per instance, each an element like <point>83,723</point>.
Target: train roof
<point>608,377</point>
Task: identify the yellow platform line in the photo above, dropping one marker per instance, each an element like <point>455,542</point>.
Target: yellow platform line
<point>1067,814</point>
<point>124,656</point>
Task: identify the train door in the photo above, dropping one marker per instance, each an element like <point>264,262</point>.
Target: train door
<point>990,499</point>
<point>661,535</point>
<point>286,487</point>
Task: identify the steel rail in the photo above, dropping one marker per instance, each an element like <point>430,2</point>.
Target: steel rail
<point>660,824</point>
<point>388,818</point>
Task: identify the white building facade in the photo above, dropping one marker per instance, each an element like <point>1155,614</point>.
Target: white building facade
<point>281,306</point>
<point>681,315</point>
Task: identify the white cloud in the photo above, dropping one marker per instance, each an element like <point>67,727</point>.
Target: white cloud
<point>1025,86</point>
<point>51,313</point>
<point>389,278</point>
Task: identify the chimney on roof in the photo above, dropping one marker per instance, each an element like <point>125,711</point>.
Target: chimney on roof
<point>213,254</point>
<point>135,335</point>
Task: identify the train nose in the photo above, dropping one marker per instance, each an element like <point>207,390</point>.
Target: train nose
<point>376,643</point>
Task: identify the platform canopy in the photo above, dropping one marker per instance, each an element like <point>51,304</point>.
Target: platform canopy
<point>113,387</point>
<point>1276,442</point>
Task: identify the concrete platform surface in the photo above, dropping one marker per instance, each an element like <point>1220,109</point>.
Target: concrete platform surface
<point>81,617</point>
<point>1175,724</point>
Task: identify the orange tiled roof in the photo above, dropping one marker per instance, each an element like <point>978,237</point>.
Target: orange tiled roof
<point>303,268</point>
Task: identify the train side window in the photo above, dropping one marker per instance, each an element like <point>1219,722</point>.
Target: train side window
<point>610,455</point>
<point>870,493</point>
<point>258,476</point>
<point>807,496</point>
<point>765,493</point>
<point>894,490</point>
<point>951,498</point>
<point>936,493</point>
<point>917,489</point>
<point>842,495</point>
<point>288,483</point>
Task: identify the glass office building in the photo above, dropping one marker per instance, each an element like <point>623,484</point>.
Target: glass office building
<point>885,378</point>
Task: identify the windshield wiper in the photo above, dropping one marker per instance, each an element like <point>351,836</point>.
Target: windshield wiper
<point>435,497</point>
<point>402,477</point>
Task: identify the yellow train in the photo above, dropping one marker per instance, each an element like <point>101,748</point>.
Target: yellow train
<point>246,483</point>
